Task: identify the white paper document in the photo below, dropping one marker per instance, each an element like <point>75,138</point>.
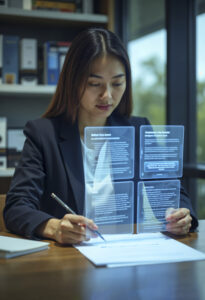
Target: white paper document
<point>140,249</point>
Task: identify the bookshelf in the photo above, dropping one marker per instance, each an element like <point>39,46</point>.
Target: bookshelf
<point>19,15</point>
<point>24,90</point>
<point>22,103</point>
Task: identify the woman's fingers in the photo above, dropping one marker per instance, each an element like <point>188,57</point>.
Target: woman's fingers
<point>72,229</point>
<point>82,220</point>
<point>179,221</point>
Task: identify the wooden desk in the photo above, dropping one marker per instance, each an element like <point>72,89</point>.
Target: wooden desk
<point>63,273</point>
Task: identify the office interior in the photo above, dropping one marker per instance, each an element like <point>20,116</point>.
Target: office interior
<point>165,42</point>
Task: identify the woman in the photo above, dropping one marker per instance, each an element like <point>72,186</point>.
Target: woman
<point>94,89</point>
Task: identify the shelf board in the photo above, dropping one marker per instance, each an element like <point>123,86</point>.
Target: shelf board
<point>20,14</point>
<point>18,89</point>
<point>7,172</point>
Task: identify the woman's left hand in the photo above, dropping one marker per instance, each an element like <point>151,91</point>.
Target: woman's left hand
<point>179,222</point>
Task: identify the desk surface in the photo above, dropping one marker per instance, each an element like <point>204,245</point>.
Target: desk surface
<point>63,273</point>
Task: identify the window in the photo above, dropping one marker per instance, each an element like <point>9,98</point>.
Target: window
<point>147,52</point>
<point>200,64</point>
<point>153,70</point>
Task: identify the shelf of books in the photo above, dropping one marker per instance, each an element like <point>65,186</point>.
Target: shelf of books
<point>19,89</point>
<point>34,39</point>
<point>15,13</point>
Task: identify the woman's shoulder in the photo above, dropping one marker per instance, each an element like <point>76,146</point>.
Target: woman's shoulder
<point>42,126</point>
<point>44,123</point>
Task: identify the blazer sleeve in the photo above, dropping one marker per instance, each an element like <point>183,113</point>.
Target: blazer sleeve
<point>22,213</point>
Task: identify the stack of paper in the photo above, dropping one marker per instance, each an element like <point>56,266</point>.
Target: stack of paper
<point>12,247</point>
<point>140,249</point>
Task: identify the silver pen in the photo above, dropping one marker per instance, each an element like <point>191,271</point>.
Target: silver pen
<point>69,210</point>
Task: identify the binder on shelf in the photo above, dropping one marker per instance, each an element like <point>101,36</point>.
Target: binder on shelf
<point>54,56</point>
<point>87,6</point>
<point>10,59</point>
<point>78,6</point>
<point>41,64</point>
<point>28,62</point>
<point>1,56</point>
<point>51,68</point>
<point>15,3</point>
<point>16,139</point>
<point>3,161</point>
<point>3,142</point>
<point>63,48</point>
<point>3,129</point>
<point>22,4</point>
<point>27,4</point>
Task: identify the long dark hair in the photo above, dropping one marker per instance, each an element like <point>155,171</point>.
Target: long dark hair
<point>88,45</point>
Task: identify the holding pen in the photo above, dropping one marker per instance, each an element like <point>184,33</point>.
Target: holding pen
<point>69,210</point>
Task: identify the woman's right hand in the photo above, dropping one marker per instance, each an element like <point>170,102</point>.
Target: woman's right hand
<point>71,229</point>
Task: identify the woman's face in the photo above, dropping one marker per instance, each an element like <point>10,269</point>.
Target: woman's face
<point>104,90</point>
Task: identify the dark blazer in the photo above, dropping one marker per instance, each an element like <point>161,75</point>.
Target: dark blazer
<point>52,161</point>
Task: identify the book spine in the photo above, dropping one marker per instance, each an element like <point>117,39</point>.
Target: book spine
<point>28,61</point>
<point>63,48</point>
<point>1,56</point>
<point>3,142</point>
<point>15,143</point>
<point>78,4</point>
<point>61,6</point>
<point>4,3</point>
<point>10,59</point>
<point>15,3</point>
<point>62,1</point>
<point>27,4</point>
<point>51,67</point>
<point>87,6</point>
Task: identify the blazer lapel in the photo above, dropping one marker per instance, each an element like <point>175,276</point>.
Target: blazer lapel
<point>70,147</point>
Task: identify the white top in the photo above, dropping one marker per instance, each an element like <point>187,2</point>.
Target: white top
<point>98,179</point>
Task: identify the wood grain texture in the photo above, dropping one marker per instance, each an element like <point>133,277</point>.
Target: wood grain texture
<point>61,272</point>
